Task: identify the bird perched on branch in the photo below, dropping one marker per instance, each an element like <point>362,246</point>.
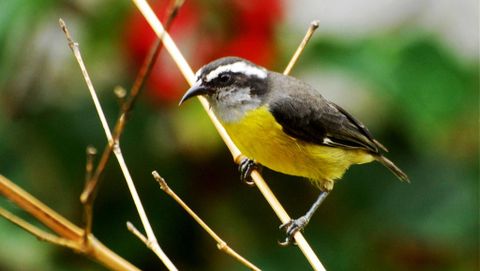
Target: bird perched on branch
<point>286,125</point>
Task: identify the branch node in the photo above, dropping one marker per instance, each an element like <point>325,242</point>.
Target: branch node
<point>222,245</point>
<point>91,150</point>
<point>137,233</point>
<point>84,197</point>
<point>161,181</point>
<point>121,94</point>
<point>116,146</point>
<point>71,43</point>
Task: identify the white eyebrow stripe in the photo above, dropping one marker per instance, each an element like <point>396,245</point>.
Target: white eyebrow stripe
<point>197,74</point>
<point>237,67</point>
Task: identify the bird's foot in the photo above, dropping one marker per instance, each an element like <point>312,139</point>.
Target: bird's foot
<point>291,228</point>
<point>246,167</point>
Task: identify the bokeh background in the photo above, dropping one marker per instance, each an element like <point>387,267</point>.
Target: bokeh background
<point>408,69</point>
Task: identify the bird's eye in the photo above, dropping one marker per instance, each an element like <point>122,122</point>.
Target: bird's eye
<point>224,78</point>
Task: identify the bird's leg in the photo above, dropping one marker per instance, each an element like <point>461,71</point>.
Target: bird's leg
<point>294,225</point>
<point>246,167</point>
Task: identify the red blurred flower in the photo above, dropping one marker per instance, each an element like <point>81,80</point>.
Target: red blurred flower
<point>205,31</point>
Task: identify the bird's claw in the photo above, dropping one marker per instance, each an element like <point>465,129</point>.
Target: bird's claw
<point>246,167</point>
<point>291,228</point>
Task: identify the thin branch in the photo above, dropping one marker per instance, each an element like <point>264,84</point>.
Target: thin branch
<point>88,193</point>
<point>168,43</point>
<point>117,151</point>
<point>137,233</point>
<point>128,104</point>
<point>187,72</point>
<point>70,235</point>
<point>88,206</point>
<point>150,59</point>
<point>313,26</point>
<point>40,211</point>
<point>221,245</point>
<point>91,152</point>
<point>65,229</point>
<point>74,47</point>
<point>152,246</point>
<point>40,234</point>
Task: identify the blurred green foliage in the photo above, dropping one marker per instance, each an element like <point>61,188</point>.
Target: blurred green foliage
<point>430,90</point>
<point>429,119</point>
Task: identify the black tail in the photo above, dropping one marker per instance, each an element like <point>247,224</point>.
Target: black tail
<point>393,168</point>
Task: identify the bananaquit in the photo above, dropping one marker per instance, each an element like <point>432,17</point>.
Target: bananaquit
<point>286,125</point>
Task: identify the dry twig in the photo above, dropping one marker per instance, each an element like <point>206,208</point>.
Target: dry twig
<point>40,234</point>
<point>313,26</point>
<point>152,246</point>
<point>88,208</point>
<point>221,245</point>
<point>118,153</point>
<point>68,234</point>
<point>187,72</point>
<point>127,104</point>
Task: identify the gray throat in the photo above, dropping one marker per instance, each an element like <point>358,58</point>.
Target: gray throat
<point>231,105</point>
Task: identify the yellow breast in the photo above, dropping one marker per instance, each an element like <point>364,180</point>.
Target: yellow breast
<point>261,138</point>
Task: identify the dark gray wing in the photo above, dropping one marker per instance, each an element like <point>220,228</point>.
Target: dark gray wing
<point>308,116</point>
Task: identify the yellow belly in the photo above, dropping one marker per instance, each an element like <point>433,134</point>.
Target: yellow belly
<point>261,138</point>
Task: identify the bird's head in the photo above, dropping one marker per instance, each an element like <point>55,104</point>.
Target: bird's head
<point>231,85</point>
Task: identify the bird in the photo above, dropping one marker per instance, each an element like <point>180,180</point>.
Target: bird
<point>286,125</point>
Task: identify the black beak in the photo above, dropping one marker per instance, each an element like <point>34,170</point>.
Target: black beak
<point>195,90</point>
